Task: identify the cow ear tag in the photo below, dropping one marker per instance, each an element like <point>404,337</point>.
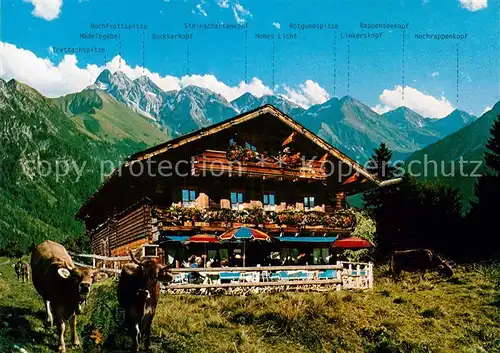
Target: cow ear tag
<point>63,272</point>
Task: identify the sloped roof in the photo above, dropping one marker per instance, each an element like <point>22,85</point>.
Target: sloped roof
<point>239,119</point>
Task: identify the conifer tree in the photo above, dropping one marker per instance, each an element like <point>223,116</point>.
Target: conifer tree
<point>484,210</point>
<point>412,213</point>
<point>380,166</point>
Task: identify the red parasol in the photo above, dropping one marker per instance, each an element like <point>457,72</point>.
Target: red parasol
<point>203,238</point>
<point>352,243</point>
<point>244,233</point>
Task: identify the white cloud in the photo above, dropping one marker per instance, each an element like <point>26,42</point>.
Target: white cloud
<point>435,73</point>
<point>474,5</point>
<point>54,80</point>
<point>487,109</point>
<point>200,10</point>
<point>277,25</point>
<point>40,73</point>
<point>66,77</point>
<point>240,13</point>
<point>417,101</point>
<point>307,94</point>
<point>256,86</point>
<point>47,9</point>
<point>223,3</point>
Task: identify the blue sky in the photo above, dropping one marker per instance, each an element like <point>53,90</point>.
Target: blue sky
<point>304,67</point>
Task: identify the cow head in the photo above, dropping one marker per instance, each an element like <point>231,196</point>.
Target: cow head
<point>78,279</point>
<point>445,269</point>
<point>152,270</point>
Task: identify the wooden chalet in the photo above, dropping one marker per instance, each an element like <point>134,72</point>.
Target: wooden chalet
<point>260,169</point>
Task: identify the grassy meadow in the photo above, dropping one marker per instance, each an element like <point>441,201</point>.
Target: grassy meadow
<point>461,314</point>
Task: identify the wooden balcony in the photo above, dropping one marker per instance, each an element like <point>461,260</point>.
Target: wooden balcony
<point>213,162</point>
<point>178,219</point>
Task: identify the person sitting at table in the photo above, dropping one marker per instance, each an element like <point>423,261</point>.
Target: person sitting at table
<point>302,259</point>
<point>190,260</point>
<point>194,277</point>
<point>237,260</point>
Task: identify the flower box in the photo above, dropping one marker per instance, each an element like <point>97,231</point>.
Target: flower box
<point>202,224</point>
<point>289,219</point>
<point>221,224</point>
<point>320,227</point>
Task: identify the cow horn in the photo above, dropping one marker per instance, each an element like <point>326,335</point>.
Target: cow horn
<point>134,260</point>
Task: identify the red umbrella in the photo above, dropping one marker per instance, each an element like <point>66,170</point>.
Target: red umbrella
<point>244,233</point>
<point>352,243</point>
<point>203,238</point>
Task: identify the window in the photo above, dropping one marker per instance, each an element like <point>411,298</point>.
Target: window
<point>150,251</point>
<point>188,197</point>
<point>308,203</point>
<point>320,256</point>
<point>236,200</point>
<point>268,201</point>
<point>105,247</point>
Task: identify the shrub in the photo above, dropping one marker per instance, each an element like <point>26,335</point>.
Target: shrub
<point>105,320</point>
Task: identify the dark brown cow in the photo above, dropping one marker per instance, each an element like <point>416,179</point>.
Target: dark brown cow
<point>22,271</point>
<point>418,260</point>
<point>62,285</point>
<point>138,292</point>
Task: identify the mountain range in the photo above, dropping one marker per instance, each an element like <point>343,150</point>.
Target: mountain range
<point>346,123</point>
<point>466,144</point>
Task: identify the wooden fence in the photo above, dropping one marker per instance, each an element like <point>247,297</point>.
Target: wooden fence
<point>342,275</point>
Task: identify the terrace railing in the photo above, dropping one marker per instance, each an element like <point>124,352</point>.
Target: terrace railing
<point>342,275</point>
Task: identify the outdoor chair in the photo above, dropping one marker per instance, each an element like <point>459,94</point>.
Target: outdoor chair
<point>250,277</point>
<point>180,278</point>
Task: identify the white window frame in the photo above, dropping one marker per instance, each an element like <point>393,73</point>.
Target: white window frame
<point>150,246</point>
<point>238,205</point>
<point>308,207</point>
<point>268,206</point>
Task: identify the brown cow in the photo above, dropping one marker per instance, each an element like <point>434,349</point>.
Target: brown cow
<point>22,271</point>
<point>418,260</point>
<point>138,292</point>
<point>62,285</point>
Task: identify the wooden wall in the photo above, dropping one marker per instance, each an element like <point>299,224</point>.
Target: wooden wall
<point>126,231</point>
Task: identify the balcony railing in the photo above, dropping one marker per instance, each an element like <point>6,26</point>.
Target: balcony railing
<point>213,162</point>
